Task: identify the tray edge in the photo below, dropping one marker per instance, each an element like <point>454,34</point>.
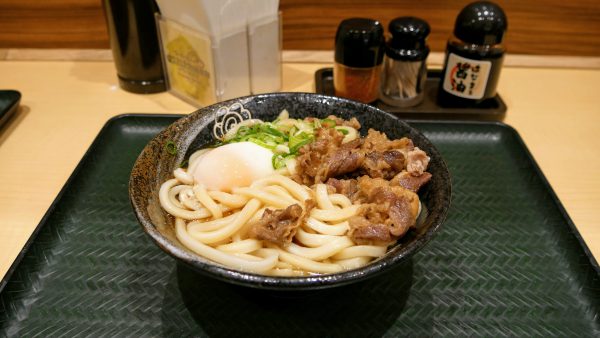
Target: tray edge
<point>557,201</point>
<point>116,118</point>
<point>514,133</point>
<point>50,210</point>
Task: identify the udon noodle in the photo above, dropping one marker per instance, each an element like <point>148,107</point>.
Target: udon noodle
<point>218,225</point>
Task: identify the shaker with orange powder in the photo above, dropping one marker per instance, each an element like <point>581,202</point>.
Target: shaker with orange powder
<point>359,54</point>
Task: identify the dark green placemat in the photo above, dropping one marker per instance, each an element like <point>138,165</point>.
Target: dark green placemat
<point>506,262</point>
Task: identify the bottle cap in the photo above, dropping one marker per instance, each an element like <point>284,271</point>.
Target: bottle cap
<point>359,43</point>
<point>408,39</point>
<point>482,23</point>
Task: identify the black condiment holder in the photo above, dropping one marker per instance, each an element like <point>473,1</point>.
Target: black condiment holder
<point>493,109</point>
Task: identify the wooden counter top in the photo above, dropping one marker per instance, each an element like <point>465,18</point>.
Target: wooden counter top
<point>65,103</point>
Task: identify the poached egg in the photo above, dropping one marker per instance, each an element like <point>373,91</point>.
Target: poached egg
<point>232,165</point>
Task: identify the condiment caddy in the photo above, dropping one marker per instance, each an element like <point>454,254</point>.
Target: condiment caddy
<point>493,109</point>
<point>398,81</point>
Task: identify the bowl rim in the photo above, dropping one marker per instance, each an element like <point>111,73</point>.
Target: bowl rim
<point>255,280</point>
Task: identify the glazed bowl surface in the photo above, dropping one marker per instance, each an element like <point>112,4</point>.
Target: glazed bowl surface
<point>171,147</point>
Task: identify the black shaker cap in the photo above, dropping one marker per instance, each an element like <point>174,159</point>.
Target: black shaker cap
<point>482,23</point>
<point>408,39</point>
<point>359,43</point>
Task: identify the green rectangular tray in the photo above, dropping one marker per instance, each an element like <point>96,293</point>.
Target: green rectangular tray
<point>508,261</point>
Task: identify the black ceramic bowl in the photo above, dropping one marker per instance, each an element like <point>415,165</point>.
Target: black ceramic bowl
<point>155,165</point>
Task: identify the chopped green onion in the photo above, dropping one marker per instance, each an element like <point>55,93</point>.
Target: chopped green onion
<point>342,130</point>
<point>171,148</point>
<point>295,149</point>
<point>262,143</point>
<point>278,161</point>
<point>304,126</point>
<point>293,130</point>
<point>275,132</point>
<point>297,141</point>
<point>284,139</point>
<point>328,123</point>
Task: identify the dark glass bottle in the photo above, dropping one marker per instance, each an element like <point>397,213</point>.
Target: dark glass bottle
<point>474,56</point>
<point>358,57</point>
<point>134,43</point>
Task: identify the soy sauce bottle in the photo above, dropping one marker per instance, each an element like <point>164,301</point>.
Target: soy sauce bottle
<point>474,56</point>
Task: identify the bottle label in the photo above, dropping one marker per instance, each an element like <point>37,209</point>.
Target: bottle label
<point>188,60</point>
<point>465,77</point>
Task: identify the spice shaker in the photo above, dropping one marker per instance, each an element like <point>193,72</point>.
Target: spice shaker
<point>405,71</point>
<point>359,46</point>
<point>474,56</point>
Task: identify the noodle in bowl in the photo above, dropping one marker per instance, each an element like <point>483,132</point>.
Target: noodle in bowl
<point>197,215</point>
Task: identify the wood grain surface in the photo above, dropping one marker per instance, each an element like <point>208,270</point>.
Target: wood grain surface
<point>548,27</point>
<point>52,24</point>
<point>543,27</point>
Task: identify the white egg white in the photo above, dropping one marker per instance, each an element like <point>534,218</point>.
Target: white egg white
<point>233,165</point>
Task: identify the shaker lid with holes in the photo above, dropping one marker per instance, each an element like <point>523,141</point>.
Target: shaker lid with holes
<point>359,43</point>
<point>482,23</point>
<point>408,39</point>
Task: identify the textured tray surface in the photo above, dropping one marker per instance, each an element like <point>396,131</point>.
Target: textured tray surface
<point>505,263</point>
<point>493,109</point>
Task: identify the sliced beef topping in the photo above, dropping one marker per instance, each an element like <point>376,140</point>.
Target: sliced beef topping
<point>410,182</point>
<point>280,225</point>
<point>353,122</point>
<point>327,157</point>
<point>375,141</point>
<point>340,162</point>
<point>383,164</point>
<point>401,216</point>
<point>310,162</point>
<point>364,232</point>
<point>378,141</point>
<point>417,162</point>
<point>382,175</point>
<point>383,204</point>
<point>374,155</point>
<point>327,140</point>
<point>395,205</point>
<point>356,143</point>
<point>349,187</point>
<point>375,166</point>
<point>369,187</point>
<point>394,158</point>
